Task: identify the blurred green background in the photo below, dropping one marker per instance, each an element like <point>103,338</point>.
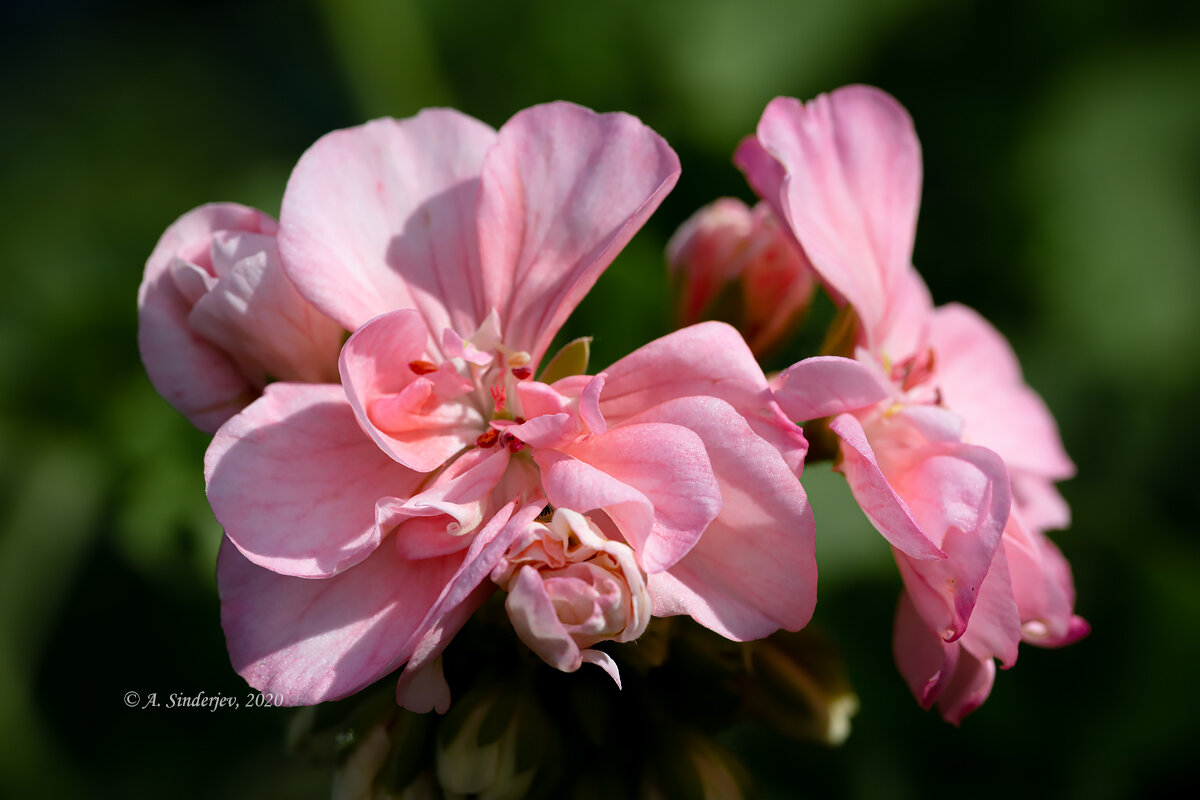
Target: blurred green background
<point>1062,199</point>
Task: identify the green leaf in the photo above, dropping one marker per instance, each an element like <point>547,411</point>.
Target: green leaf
<point>572,359</point>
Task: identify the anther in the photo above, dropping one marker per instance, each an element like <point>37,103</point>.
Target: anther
<point>487,438</point>
<point>422,367</point>
<point>521,373</point>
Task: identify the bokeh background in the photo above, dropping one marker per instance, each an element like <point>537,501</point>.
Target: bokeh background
<point>1062,199</point>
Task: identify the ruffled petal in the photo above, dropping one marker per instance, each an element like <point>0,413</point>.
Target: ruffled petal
<point>707,360</point>
<point>563,190</point>
<point>828,385</point>
<point>417,419</point>
<point>653,479</point>
<point>294,481</point>
<point>754,570</point>
<point>382,216</point>
<point>886,510</point>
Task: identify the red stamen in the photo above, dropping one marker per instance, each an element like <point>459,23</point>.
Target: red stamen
<point>498,397</point>
<point>519,420</point>
<point>487,438</point>
<point>422,367</point>
<point>521,373</point>
<point>514,444</point>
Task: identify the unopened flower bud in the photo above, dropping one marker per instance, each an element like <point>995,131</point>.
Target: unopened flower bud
<point>740,265</point>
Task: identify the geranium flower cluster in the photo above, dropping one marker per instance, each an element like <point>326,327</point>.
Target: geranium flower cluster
<point>392,444</point>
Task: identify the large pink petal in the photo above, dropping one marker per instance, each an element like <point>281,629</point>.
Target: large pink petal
<point>653,479</point>
<point>382,216</point>
<point>294,481</point>
<point>193,375</point>
<point>314,640</point>
<point>852,189</point>
<point>981,380</point>
<point>413,418</point>
<point>563,190</point>
<point>828,385</point>
<point>754,570</point>
<point>706,360</point>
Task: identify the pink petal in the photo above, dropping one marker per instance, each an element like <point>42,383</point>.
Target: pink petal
<point>294,481</point>
<point>440,519</point>
<point>255,314</point>
<point>853,186</point>
<point>315,640</point>
<point>754,570</point>
<point>763,172</point>
<point>994,630</point>
<point>827,385</point>
<point>960,498</point>
<point>926,662</point>
<point>192,374</point>
<point>981,380</point>
<point>970,686</point>
<point>563,190</point>
<point>708,360</point>
<point>1043,587</point>
<point>1041,505</point>
<point>414,419</point>
<point>535,619</point>
<point>421,687</point>
<point>654,480</point>
<point>382,216</point>
<point>604,661</point>
<point>886,510</point>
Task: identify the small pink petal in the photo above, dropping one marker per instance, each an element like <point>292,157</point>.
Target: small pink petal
<point>415,419</point>
<point>604,661</point>
<point>828,385</point>
<point>653,479</point>
<point>535,619</point>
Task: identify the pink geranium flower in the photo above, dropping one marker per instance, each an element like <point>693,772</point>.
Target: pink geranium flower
<point>217,317</point>
<point>366,521</point>
<point>951,456</point>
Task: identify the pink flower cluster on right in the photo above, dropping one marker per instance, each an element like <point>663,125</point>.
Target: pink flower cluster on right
<point>952,457</point>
